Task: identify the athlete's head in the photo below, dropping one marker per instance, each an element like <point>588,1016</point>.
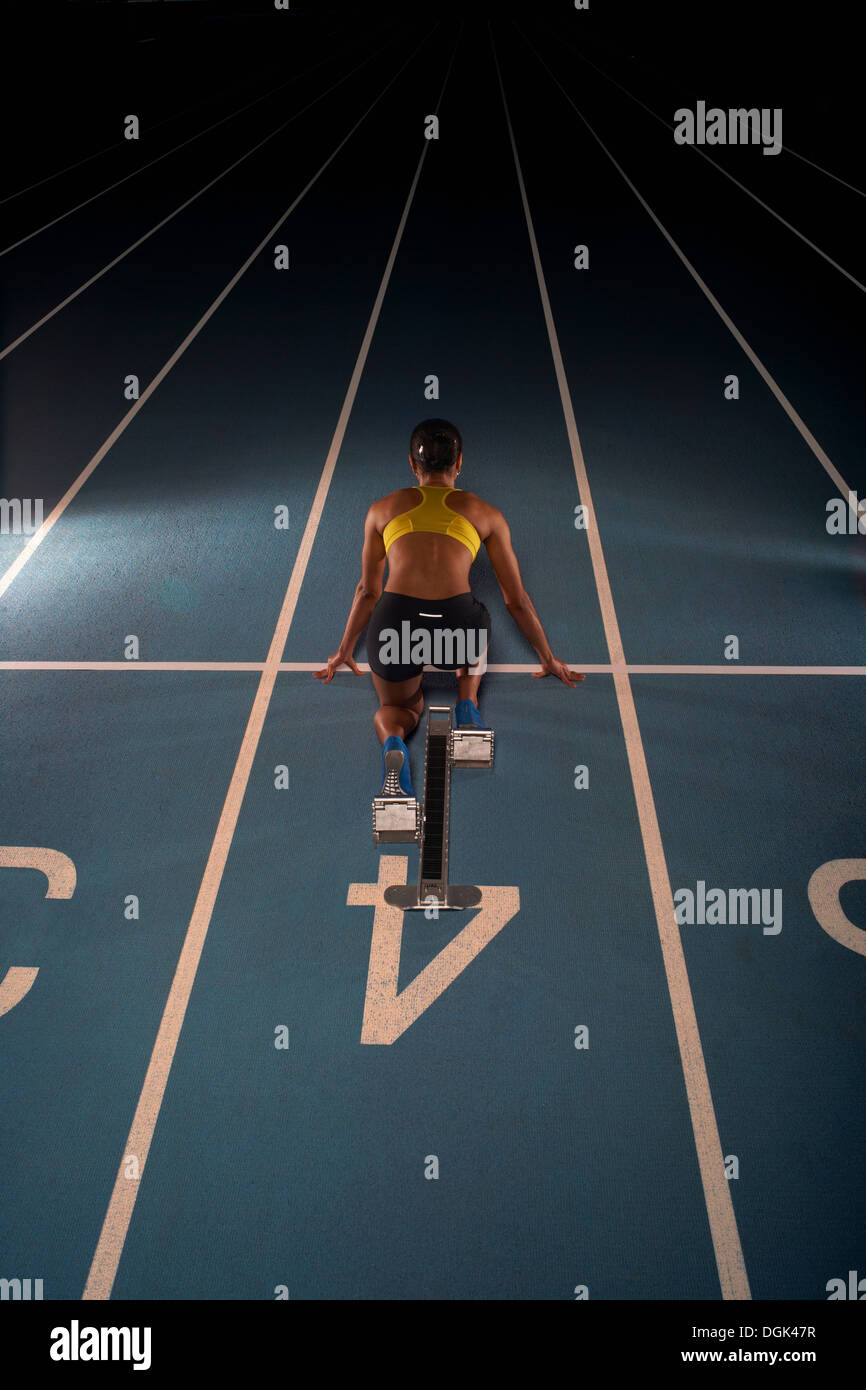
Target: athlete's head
<point>435,447</point>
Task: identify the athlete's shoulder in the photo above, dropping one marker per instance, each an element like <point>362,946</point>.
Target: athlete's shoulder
<point>393,503</point>
<point>483,515</point>
<point>474,500</point>
<point>481,505</point>
<point>400,494</point>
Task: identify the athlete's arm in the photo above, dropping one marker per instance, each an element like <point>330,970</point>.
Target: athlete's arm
<point>368,591</point>
<point>518,602</point>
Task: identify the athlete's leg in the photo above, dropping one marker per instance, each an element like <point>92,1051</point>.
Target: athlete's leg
<point>401,704</point>
<point>477,623</point>
<point>467,714</point>
<point>467,685</point>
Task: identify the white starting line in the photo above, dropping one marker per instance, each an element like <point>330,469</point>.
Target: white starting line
<point>516,668</point>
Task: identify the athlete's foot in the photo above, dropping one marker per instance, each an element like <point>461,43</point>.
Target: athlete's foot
<point>396,813</point>
<point>395,768</point>
<point>468,716</point>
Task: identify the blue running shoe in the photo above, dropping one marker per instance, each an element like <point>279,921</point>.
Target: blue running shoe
<point>395,768</point>
<point>467,716</point>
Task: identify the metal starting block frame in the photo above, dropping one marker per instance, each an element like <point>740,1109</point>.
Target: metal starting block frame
<point>396,820</point>
<point>445,747</point>
<point>472,747</point>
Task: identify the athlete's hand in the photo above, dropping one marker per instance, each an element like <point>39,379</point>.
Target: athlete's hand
<point>554,667</point>
<point>339,659</point>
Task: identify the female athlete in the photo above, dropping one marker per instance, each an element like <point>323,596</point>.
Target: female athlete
<point>430,534</point>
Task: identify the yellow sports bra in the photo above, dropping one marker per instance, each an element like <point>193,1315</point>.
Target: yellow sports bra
<point>432,514</point>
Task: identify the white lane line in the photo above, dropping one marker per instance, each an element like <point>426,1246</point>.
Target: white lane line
<point>116,1225</point>
<point>717,1196</point>
<point>118,144</point>
<point>158,160</point>
<point>72,492</point>
<point>507,668</point>
<point>805,433</point>
<point>822,170</point>
<point>786,149</point>
<point>22,337</point>
<point>718,167</point>
<point>58,172</point>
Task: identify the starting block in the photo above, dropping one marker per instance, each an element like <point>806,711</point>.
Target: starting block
<point>472,747</point>
<point>396,820</point>
<point>446,747</point>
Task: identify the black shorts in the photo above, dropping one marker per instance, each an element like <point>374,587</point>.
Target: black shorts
<point>406,634</point>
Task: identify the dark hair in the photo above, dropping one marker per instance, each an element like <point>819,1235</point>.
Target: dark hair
<point>435,445</point>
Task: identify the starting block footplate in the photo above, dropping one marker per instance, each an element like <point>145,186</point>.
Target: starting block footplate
<point>396,820</point>
<point>472,747</point>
